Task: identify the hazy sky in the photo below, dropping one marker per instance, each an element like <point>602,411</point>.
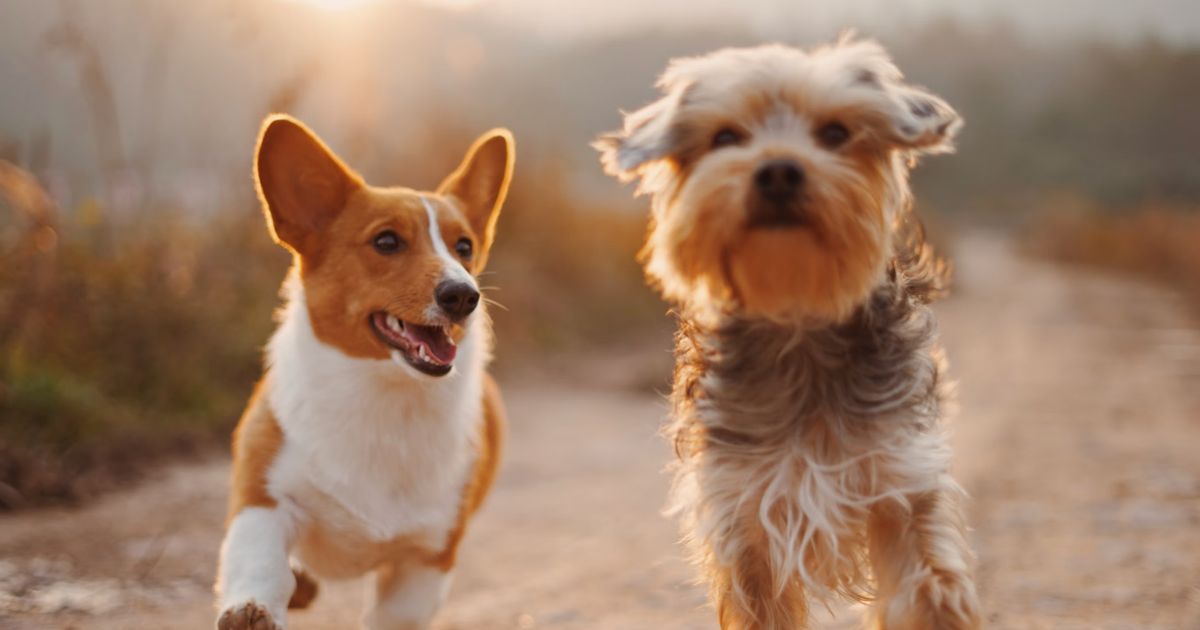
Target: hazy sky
<point>191,79</point>
<point>1178,20</point>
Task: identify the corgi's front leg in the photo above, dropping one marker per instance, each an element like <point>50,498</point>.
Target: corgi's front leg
<point>254,579</point>
<point>407,595</point>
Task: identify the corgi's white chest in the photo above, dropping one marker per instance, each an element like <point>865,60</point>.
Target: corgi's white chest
<point>368,448</point>
<point>393,474</point>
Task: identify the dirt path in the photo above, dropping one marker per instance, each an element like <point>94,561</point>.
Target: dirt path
<point>1079,439</point>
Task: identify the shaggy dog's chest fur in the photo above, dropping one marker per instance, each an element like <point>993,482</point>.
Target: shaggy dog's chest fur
<point>788,434</point>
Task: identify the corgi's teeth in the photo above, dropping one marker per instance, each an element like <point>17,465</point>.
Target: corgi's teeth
<point>421,353</point>
<point>393,323</point>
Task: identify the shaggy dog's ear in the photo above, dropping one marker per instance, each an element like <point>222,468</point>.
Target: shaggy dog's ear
<point>921,121</point>
<point>648,136</point>
<point>907,116</point>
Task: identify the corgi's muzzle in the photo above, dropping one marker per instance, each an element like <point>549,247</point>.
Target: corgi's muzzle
<point>428,349</point>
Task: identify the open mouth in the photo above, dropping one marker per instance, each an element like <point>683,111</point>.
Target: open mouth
<point>427,348</point>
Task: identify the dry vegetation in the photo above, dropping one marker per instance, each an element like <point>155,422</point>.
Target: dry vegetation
<point>566,274</point>
<point>125,340</point>
<point>1157,241</point>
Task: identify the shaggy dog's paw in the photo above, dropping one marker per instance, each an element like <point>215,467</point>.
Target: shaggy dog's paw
<point>950,602</point>
<point>248,616</point>
<point>939,602</point>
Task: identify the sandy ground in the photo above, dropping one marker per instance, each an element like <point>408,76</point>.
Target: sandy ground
<point>1079,439</point>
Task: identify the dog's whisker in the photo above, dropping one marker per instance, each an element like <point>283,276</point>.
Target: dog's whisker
<point>492,302</point>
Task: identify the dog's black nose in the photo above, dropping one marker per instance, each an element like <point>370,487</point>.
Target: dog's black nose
<point>457,299</point>
<point>779,181</point>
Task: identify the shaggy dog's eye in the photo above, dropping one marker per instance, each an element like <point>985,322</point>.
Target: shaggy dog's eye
<point>463,247</point>
<point>387,242</point>
<point>833,135</point>
<point>726,137</point>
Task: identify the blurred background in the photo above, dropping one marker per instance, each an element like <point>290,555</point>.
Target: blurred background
<point>137,284</point>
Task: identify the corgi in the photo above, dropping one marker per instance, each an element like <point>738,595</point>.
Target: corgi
<point>375,432</point>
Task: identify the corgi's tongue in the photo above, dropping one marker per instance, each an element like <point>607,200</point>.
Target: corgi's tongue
<point>438,346</point>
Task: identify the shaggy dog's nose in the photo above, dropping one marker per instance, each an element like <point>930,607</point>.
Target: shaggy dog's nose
<point>779,181</point>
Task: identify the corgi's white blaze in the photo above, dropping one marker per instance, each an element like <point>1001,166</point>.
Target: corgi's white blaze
<point>254,562</point>
<point>391,450</point>
<point>454,269</point>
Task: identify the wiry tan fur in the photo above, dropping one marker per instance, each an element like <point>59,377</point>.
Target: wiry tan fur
<point>809,384</point>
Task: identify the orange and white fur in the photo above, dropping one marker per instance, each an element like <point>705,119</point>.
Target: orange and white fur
<point>375,432</point>
<point>809,384</point>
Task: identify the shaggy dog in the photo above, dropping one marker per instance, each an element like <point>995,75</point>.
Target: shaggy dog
<point>809,383</point>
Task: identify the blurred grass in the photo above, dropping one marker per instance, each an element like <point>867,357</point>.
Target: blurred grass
<point>122,340</point>
<point>1154,240</point>
<point>566,273</point>
<point>127,340</point>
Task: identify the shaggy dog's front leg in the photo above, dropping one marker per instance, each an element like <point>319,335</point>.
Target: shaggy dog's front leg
<point>745,595</point>
<point>922,564</point>
<point>723,522</point>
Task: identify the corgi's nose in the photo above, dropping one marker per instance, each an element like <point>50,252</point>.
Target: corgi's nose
<point>457,299</point>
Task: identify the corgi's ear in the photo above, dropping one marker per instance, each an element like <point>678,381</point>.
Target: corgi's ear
<point>303,185</point>
<point>481,183</point>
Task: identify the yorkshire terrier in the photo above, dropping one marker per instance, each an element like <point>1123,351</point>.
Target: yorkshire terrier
<point>809,382</point>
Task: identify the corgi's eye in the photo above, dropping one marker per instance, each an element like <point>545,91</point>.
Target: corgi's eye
<point>726,137</point>
<point>387,242</point>
<point>833,135</point>
<point>464,248</point>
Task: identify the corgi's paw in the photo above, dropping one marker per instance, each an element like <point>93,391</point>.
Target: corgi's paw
<point>248,616</point>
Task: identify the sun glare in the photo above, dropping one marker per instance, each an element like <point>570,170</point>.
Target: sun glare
<point>337,4</point>
<point>348,4</point>
<point>454,4</point>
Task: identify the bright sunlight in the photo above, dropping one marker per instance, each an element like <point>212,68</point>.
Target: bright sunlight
<point>349,4</point>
